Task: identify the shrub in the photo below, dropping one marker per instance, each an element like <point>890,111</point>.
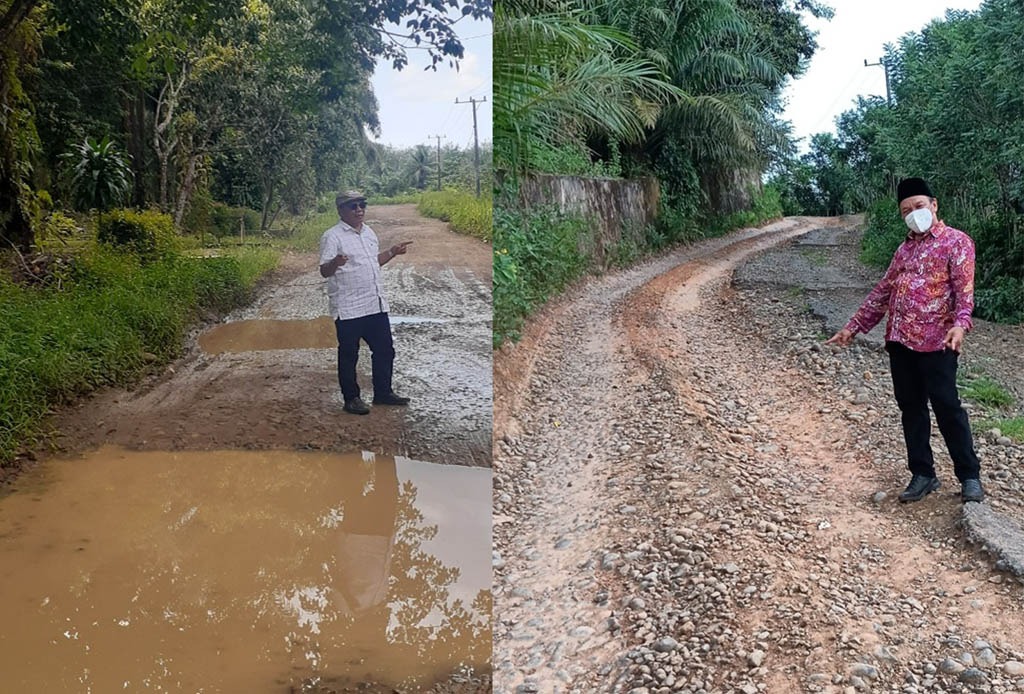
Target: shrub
<point>884,232</point>
<point>536,256</point>
<point>97,329</point>
<point>224,219</point>
<point>149,234</point>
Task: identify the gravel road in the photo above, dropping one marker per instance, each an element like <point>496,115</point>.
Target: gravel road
<point>693,495</point>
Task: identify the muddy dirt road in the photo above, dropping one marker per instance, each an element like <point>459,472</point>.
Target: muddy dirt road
<point>267,378</point>
<point>692,496</point>
<point>226,527</point>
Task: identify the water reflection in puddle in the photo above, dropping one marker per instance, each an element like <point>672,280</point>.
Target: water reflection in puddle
<point>243,572</point>
<point>259,335</point>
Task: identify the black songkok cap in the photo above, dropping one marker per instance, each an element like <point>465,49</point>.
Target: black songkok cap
<point>910,187</point>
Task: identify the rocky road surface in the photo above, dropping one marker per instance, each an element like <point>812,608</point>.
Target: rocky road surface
<point>439,294</point>
<point>693,495</point>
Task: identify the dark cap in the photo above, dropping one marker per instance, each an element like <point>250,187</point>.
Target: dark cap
<point>347,197</point>
<point>909,187</point>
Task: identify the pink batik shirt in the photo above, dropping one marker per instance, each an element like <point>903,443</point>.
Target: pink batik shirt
<point>928,289</point>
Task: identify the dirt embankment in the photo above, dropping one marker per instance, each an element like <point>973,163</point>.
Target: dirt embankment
<point>692,494</point>
<point>260,397</point>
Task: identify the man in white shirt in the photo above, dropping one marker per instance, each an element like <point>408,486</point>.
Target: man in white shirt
<point>350,259</point>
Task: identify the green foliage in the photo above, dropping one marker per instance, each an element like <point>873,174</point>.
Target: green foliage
<point>985,391</point>
<point>148,234</point>
<point>883,233</point>
<point>104,327</point>
<point>57,229</point>
<point>1012,427</point>
<point>536,255</point>
<point>226,220</point>
<point>1002,300</point>
<point>957,119</point>
<point>465,213</point>
<point>100,176</point>
<point>766,206</point>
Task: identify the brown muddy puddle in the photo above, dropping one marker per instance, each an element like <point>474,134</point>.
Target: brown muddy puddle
<point>259,334</point>
<point>243,571</point>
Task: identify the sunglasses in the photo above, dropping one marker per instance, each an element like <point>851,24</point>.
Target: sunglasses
<point>354,205</point>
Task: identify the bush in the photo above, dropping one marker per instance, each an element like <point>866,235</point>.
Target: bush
<point>884,232</point>
<point>103,327</point>
<point>536,256</point>
<point>225,219</point>
<point>149,234</point>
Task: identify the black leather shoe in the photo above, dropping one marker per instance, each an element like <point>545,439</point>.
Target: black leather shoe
<point>390,399</point>
<point>972,491</point>
<point>919,487</point>
<point>356,406</point>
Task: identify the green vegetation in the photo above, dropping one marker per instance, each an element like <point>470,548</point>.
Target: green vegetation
<point>686,91</point>
<point>465,213</point>
<point>184,104</point>
<point>1012,427</point>
<point>536,255</point>
<point>218,124</point>
<point>967,148</point>
<point>985,391</point>
<point>103,319</point>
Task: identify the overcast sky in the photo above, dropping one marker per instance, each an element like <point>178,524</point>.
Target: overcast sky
<point>416,103</point>
<point>858,32</point>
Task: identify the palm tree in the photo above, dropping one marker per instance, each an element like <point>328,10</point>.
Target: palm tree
<point>558,79</point>
<point>419,167</point>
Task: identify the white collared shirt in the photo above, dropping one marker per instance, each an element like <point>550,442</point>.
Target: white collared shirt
<point>356,288</point>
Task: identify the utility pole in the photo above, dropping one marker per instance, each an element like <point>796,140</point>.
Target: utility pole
<point>885,67</point>
<point>438,138</point>
<point>476,141</point>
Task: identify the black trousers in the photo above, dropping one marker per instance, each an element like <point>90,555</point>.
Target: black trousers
<point>917,379</point>
<point>375,330</point>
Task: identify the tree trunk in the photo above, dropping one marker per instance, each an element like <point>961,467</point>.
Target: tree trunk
<point>15,225</point>
<point>135,127</point>
<point>14,16</point>
<point>188,185</point>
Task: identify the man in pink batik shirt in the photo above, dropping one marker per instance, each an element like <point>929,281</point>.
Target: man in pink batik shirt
<point>928,293</point>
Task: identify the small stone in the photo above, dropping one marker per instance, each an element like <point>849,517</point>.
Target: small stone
<point>879,497</point>
<point>973,675</point>
<point>864,671</point>
<point>986,658</point>
<point>950,666</point>
<point>1013,668</point>
<point>1004,441</point>
<point>637,604</point>
<point>755,658</point>
<point>666,644</point>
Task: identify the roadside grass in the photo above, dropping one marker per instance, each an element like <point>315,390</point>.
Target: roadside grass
<point>985,391</point>
<point>466,213</point>
<point>1012,427</point>
<point>108,320</point>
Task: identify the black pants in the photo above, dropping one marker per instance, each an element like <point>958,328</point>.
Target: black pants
<point>376,331</point>
<point>917,379</point>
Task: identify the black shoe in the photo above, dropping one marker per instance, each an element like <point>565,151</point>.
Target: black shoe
<point>919,487</point>
<point>390,399</point>
<point>972,491</point>
<point>356,406</point>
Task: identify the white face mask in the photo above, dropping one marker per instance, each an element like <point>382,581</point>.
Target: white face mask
<point>920,220</point>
